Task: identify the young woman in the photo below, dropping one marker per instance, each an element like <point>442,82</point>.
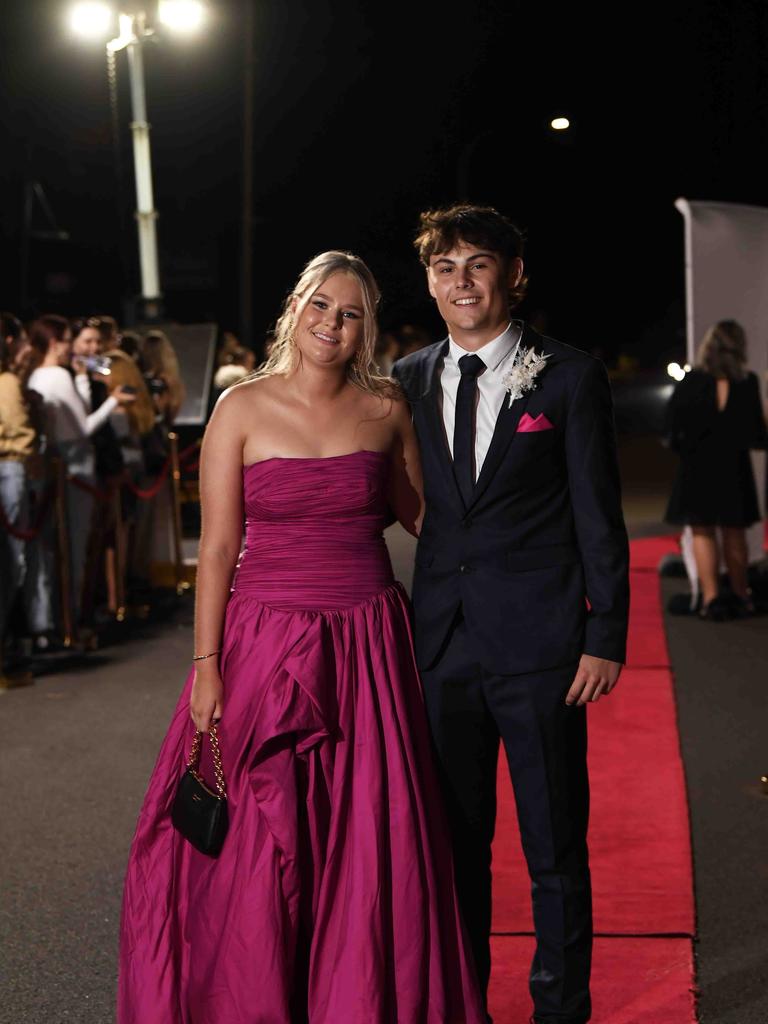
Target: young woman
<point>38,584</point>
<point>18,444</point>
<point>714,418</point>
<point>332,899</point>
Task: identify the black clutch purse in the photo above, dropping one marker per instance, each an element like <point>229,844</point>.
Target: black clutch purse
<point>200,813</point>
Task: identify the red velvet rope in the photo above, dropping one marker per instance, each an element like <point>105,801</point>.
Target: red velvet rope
<point>17,531</point>
<point>154,489</point>
<point>98,494</point>
<point>189,450</point>
<point>143,494</point>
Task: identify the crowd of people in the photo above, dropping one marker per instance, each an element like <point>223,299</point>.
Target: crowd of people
<point>85,412</point>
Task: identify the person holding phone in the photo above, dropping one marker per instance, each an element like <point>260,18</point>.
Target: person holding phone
<point>70,430</point>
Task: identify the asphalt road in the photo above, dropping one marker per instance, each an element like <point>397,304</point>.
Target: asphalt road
<point>76,753</point>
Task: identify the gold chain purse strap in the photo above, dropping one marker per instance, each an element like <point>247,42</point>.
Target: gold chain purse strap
<point>193,764</point>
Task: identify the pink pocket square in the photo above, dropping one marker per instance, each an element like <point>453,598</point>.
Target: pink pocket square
<point>529,425</point>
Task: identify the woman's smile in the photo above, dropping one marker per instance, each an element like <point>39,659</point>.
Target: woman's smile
<point>327,339</point>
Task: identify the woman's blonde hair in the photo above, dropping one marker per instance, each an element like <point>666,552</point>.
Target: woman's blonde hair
<point>124,372</point>
<point>723,351</point>
<point>160,360</point>
<point>283,356</point>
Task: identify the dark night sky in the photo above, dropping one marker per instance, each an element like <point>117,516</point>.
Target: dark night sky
<point>364,114</point>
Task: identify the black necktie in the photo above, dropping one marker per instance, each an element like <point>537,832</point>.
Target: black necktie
<point>464,428</point>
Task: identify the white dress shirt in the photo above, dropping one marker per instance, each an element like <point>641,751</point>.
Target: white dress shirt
<point>498,356</point>
<point>83,388</point>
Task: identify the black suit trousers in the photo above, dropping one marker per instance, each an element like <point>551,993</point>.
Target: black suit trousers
<point>470,711</point>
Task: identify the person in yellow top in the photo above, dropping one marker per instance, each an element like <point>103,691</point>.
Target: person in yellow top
<point>17,446</point>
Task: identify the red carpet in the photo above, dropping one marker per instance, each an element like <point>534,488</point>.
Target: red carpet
<point>634,981</point>
<point>647,552</point>
<point>639,842</point>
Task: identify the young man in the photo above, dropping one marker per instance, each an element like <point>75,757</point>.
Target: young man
<point>521,586</point>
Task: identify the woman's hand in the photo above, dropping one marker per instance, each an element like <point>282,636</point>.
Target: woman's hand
<point>207,700</point>
<point>123,396</point>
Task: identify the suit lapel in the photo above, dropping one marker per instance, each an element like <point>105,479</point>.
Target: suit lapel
<point>506,425</point>
<point>433,412</point>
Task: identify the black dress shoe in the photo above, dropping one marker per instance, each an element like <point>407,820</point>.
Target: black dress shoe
<point>715,610</point>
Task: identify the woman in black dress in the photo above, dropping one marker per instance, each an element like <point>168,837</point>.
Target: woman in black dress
<point>714,417</point>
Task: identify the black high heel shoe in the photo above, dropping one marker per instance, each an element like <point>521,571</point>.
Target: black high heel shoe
<point>742,607</point>
<point>715,610</point>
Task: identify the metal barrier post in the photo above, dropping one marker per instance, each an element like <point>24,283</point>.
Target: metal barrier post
<point>62,542</point>
<point>181,582</point>
<point>120,553</point>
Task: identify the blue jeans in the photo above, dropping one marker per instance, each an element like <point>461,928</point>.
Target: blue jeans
<point>41,566</point>
<point>13,550</point>
<point>42,586</point>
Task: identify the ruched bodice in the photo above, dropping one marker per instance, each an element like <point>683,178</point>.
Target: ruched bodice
<point>314,531</point>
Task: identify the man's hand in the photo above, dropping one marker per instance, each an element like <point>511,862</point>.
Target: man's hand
<point>595,678</point>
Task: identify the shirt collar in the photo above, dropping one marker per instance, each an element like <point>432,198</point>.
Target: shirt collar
<point>494,352</point>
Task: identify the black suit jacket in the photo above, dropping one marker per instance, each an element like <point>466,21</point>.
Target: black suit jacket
<point>544,532</point>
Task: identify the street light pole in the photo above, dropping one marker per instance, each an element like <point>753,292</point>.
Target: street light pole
<point>95,18</point>
<point>246,226</point>
<point>133,33</point>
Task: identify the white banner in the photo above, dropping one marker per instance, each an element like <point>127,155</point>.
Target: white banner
<point>726,278</point>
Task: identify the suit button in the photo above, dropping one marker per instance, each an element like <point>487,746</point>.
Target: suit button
<point>463,568</point>
<point>466,523</point>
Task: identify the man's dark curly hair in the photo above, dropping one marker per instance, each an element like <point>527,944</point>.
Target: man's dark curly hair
<point>483,226</point>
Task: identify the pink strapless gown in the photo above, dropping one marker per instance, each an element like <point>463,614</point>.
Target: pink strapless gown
<point>332,900</point>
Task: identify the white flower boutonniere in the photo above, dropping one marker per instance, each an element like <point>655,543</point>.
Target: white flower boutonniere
<point>526,367</point>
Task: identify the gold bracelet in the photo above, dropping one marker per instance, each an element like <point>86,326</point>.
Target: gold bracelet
<point>202,657</point>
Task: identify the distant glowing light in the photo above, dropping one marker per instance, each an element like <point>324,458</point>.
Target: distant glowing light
<point>676,371</point>
<point>92,20</point>
<point>181,15</point>
<point>559,124</point>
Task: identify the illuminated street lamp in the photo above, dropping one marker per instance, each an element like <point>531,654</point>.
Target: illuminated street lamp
<point>91,20</point>
<point>181,15</point>
<point>560,124</point>
<point>95,20</point>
